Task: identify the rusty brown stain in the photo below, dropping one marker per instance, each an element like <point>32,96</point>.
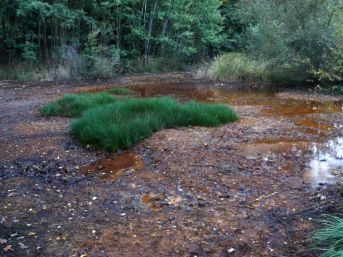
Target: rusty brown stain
<point>110,169</point>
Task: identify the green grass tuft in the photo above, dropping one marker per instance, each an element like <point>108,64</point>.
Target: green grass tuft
<point>72,105</point>
<point>118,124</point>
<point>127,122</point>
<point>120,91</point>
<point>330,238</point>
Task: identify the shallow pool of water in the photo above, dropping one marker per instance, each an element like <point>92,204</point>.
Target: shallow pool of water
<point>324,158</point>
<point>326,161</point>
<point>113,168</point>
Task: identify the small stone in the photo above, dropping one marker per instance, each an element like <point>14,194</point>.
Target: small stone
<point>321,197</point>
<point>231,250</point>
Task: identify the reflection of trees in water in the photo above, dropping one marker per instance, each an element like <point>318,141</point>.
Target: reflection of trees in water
<point>325,159</point>
<point>335,148</point>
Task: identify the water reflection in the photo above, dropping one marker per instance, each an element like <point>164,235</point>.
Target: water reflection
<point>270,102</point>
<point>326,162</point>
<point>325,159</point>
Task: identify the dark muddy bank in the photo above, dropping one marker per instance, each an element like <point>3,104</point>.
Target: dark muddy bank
<point>250,188</point>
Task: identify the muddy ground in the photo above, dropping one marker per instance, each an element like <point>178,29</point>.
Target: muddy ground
<point>249,188</point>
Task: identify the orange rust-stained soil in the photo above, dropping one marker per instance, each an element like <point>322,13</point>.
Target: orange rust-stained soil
<point>249,188</point>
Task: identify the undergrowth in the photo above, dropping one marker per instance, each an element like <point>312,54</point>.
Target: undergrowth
<point>337,89</point>
<point>235,67</point>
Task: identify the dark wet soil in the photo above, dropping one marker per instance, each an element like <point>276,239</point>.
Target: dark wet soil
<point>250,188</point>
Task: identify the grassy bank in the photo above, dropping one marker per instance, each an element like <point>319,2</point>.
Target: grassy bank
<point>113,124</point>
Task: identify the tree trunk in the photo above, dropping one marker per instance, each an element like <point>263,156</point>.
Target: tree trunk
<point>164,29</point>
<point>147,40</point>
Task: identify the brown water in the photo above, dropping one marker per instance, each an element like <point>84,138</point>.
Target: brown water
<point>109,169</point>
<point>324,157</point>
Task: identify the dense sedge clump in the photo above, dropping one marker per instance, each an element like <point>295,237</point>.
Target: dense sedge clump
<point>124,123</point>
<point>72,105</point>
<point>329,239</point>
<point>113,124</point>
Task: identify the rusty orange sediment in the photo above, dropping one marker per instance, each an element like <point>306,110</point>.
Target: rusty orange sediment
<point>249,188</point>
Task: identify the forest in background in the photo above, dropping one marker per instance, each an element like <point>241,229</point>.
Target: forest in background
<point>250,40</point>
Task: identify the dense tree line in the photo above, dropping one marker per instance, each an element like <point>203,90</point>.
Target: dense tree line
<point>102,36</point>
<point>36,30</point>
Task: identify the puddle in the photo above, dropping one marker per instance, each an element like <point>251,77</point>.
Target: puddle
<point>270,147</point>
<point>302,112</point>
<point>111,169</point>
<point>271,103</point>
<point>312,125</point>
<point>326,162</point>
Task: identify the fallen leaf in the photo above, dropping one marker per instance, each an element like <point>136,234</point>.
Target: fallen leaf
<point>8,248</point>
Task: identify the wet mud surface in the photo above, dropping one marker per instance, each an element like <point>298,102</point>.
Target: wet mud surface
<point>250,188</point>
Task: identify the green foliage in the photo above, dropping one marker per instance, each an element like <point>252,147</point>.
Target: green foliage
<point>127,122</point>
<point>329,239</point>
<point>330,71</point>
<point>120,91</point>
<point>303,34</point>
<point>240,67</point>
<point>233,26</point>
<point>336,89</point>
<point>101,60</point>
<point>105,32</point>
<point>73,105</point>
<point>29,51</point>
<point>89,39</point>
<point>155,64</point>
